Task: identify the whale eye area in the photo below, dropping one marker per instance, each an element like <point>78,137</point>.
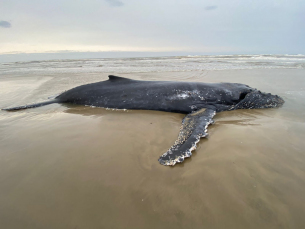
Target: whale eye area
<point>242,95</point>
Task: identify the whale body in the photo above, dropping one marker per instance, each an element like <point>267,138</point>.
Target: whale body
<point>200,101</point>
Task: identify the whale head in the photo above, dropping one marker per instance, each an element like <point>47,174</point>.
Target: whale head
<point>257,99</point>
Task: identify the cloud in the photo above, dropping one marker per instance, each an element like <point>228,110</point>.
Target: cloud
<point>5,24</point>
<point>115,3</point>
<point>210,8</point>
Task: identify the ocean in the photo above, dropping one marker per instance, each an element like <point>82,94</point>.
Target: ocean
<point>156,64</point>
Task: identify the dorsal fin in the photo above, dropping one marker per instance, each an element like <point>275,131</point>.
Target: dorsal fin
<point>116,78</point>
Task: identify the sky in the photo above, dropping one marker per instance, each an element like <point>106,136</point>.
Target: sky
<point>194,26</point>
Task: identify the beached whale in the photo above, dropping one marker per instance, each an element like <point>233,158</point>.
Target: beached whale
<point>200,101</point>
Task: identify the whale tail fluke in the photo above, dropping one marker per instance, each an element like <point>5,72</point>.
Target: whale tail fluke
<point>30,105</point>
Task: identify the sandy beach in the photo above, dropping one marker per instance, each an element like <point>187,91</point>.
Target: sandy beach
<point>68,166</point>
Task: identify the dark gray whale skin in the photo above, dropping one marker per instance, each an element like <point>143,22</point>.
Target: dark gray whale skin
<point>180,97</point>
<point>201,101</point>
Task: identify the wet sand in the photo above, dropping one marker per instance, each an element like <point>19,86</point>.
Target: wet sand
<point>67,166</point>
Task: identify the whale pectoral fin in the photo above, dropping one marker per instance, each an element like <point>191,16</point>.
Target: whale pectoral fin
<point>194,126</point>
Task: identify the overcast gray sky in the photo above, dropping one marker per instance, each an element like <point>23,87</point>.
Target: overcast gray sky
<point>207,26</point>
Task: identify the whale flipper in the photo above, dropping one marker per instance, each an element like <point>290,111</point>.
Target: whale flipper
<point>194,126</point>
